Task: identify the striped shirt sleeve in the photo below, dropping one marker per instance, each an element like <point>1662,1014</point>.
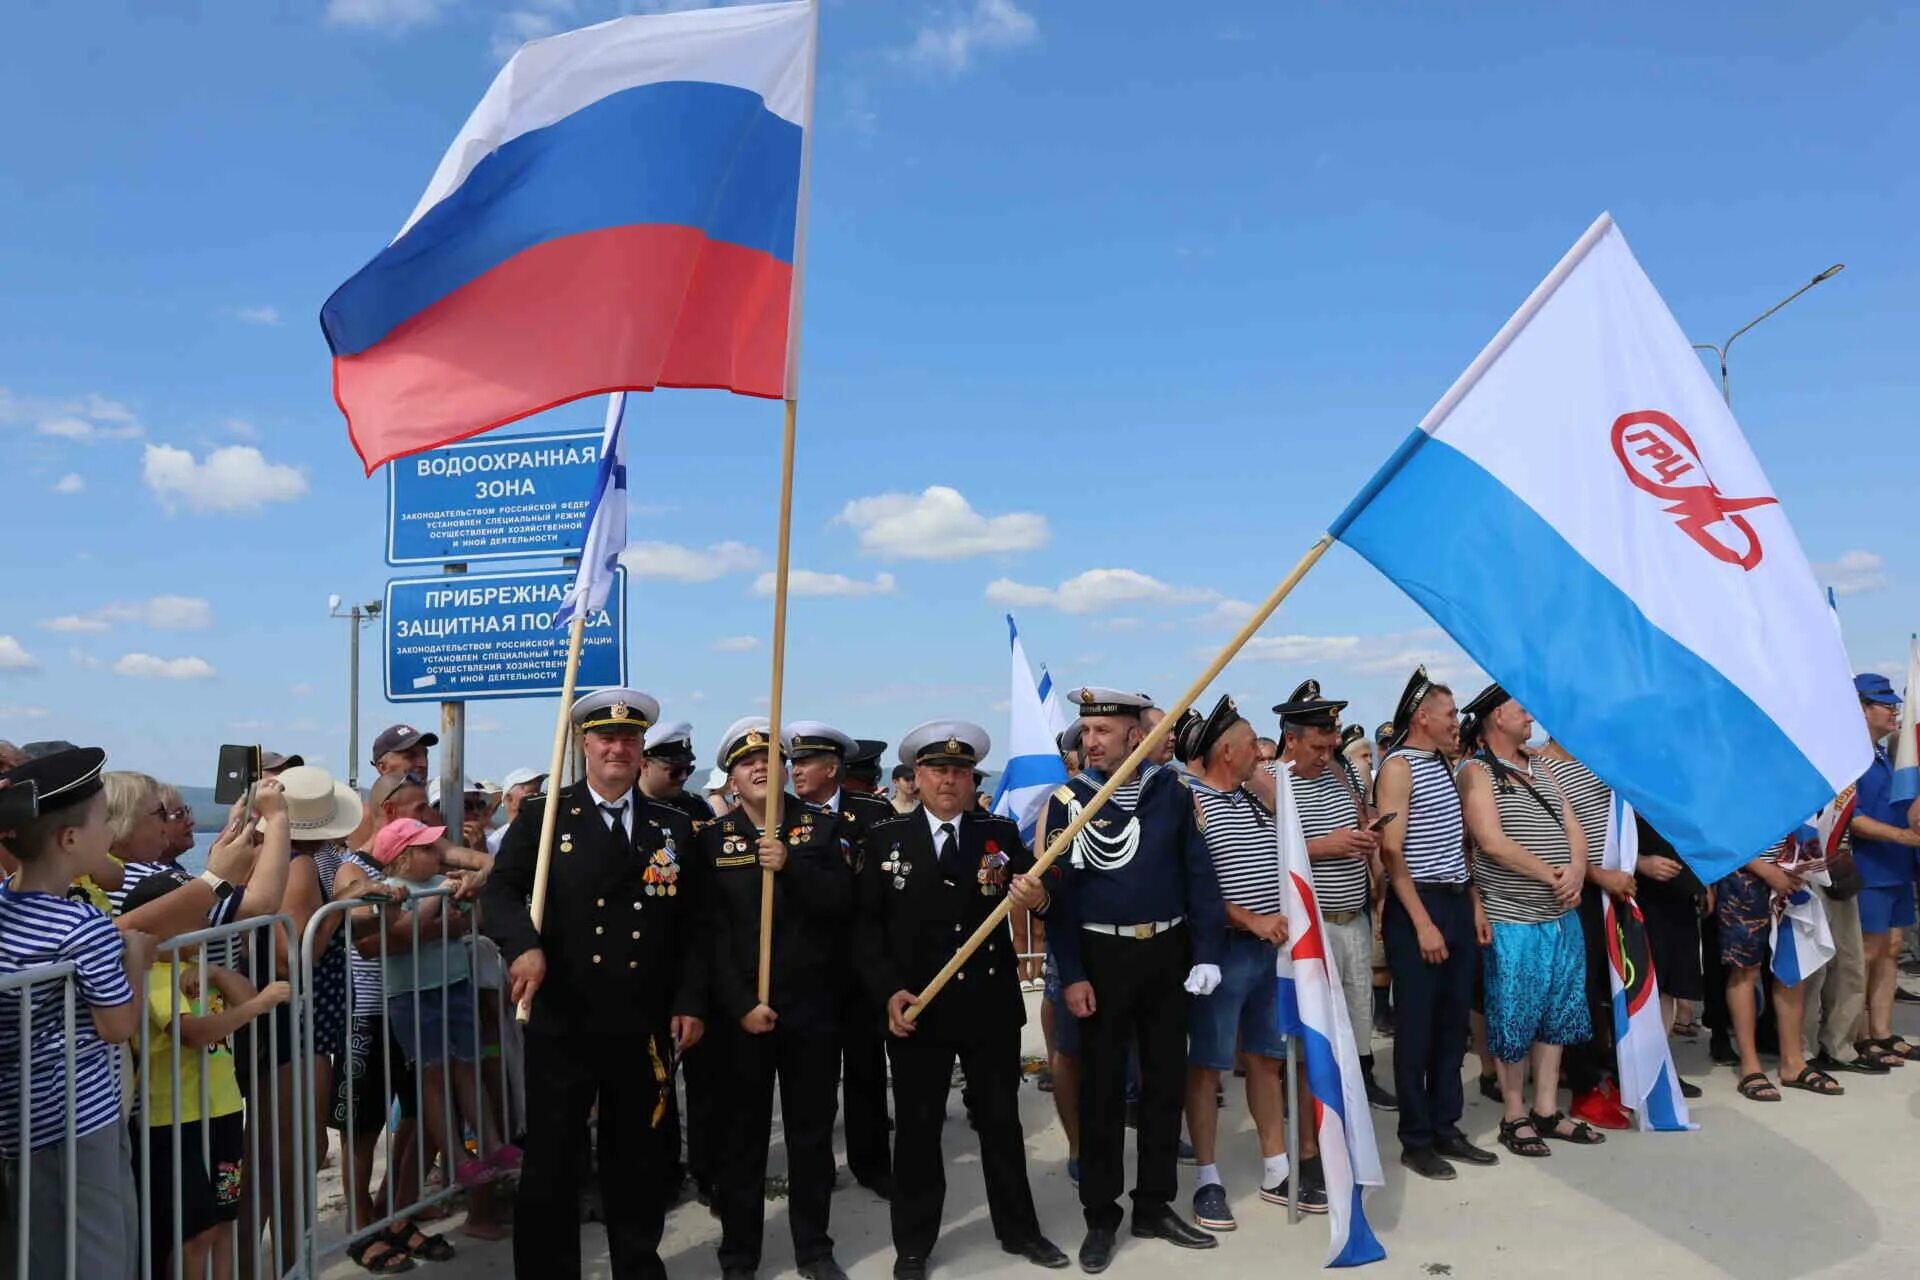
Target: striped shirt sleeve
<point>97,951</point>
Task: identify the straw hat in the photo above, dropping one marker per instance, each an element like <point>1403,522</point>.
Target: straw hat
<point>319,808</point>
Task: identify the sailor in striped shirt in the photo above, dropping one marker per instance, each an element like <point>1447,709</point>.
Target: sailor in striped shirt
<point>1222,756</point>
<point>1334,817</point>
<point>1531,868</point>
<point>1428,927</point>
<point>41,927</point>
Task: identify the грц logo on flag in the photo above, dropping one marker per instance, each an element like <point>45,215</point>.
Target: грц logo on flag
<point>1663,448</point>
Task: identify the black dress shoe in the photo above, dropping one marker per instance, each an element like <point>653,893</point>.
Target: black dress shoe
<point>1096,1251</point>
<point>909,1268</point>
<point>1462,1150</point>
<point>1040,1251</point>
<point>1428,1163</point>
<point>1160,1222</point>
<point>822,1269</point>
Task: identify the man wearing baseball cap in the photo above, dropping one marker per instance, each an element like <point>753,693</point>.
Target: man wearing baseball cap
<point>616,972</point>
<point>401,748</point>
<point>1885,835</point>
<point>518,785</point>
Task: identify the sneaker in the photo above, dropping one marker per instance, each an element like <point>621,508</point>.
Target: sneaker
<point>1380,1098</point>
<point>506,1158</point>
<point>471,1173</point>
<point>1596,1109</point>
<point>1211,1210</point>
<point>1183,1152</point>
<point>1903,996</point>
<point>1312,1197</point>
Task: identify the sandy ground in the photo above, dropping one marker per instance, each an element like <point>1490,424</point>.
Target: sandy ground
<point>1808,1186</point>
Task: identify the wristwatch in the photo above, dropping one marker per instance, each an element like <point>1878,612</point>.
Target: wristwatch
<point>222,890</point>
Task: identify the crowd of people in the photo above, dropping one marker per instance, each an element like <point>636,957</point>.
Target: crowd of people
<point>1456,867</point>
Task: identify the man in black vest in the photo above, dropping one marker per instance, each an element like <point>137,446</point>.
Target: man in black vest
<point>819,753</point>
<point>794,1036</point>
<point>618,982</point>
<point>930,877</point>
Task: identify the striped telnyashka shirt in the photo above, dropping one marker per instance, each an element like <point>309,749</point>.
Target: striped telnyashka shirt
<point>1590,799</point>
<point>1240,836</point>
<point>1432,848</point>
<point>1508,896</point>
<point>1326,804</point>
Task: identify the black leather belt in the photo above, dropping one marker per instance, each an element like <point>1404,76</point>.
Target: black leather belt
<point>1454,887</point>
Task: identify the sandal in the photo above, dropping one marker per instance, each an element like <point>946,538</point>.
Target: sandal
<point>1531,1145</point>
<point>1686,1030</point>
<point>1757,1088</point>
<point>1814,1080</point>
<point>391,1262</point>
<point>1900,1048</point>
<point>1875,1051</point>
<point>1582,1134</point>
<point>404,1235</point>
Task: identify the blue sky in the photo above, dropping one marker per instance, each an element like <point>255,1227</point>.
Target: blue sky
<point>1151,291</point>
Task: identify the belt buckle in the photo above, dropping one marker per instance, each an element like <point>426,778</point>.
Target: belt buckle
<point>1143,931</point>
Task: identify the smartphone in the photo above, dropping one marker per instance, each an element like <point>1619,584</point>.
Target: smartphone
<point>19,805</point>
<point>1380,823</point>
<point>238,770</point>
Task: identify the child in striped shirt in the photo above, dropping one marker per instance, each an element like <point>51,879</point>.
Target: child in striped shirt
<point>41,927</point>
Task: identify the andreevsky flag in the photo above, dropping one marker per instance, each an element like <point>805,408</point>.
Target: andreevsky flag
<point>624,210</point>
<point>1581,513</point>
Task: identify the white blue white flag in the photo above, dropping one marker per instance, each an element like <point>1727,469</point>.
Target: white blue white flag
<point>1059,719</point>
<point>1314,1009</point>
<point>1649,1082</point>
<point>1581,513</point>
<point>1034,768</point>
<point>1801,938</point>
<point>606,522</point>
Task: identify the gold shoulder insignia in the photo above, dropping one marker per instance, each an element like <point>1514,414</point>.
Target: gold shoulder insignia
<point>1063,793</point>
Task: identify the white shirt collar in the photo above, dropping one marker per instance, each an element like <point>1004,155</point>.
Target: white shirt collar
<point>832,802</point>
<point>934,824</point>
<point>626,815</point>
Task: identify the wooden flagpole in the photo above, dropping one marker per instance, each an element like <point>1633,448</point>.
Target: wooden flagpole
<point>776,759</point>
<point>1065,838</point>
<point>549,812</point>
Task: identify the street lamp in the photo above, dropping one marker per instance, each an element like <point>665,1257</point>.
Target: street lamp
<point>1726,392</point>
<point>359,615</point>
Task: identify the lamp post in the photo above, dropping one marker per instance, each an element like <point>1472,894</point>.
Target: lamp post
<point>1726,391</point>
<point>359,615</point>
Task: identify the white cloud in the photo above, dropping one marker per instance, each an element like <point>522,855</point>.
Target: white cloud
<point>384,15</point>
<point>1854,573</point>
<point>1227,613</point>
<point>1117,624</point>
<point>807,582</point>
<point>257,315</point>
<point>79,418</point>
<point>72,482</point>
<point>234,479</point>
<point>950,42</point>
<point>147,667</point>
<point>14,657</point>
<point>676,563</point>
<point>240,428</point>
<point>736,644</point>
<point>24,713</point>
<point>1097,591</point>
<point>167,613</point>
<point>938,524</point>
<point>1297,649</point>
<point>517,26</point>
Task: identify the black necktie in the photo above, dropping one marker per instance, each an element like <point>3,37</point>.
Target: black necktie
<point>947,856</point>
<point>617,827</point>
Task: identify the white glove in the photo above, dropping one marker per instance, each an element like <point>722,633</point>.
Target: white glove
<point>1202,979</point>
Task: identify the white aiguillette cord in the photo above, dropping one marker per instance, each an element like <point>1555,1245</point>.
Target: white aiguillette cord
<point>1103,853</point>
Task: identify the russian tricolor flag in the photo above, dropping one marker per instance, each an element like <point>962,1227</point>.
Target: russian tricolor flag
<point>624,210</point>
<point>1313,1009</point>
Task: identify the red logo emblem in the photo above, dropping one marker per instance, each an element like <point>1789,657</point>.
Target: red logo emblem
<point>1658,456</point>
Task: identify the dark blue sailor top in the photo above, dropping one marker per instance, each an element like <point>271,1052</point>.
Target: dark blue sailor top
<point>1142,859</point>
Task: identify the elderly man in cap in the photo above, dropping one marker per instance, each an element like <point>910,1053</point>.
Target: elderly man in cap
<point>1242,1016</point>
<point>617,974</point>
<point>794,1036</point>
<point>1330,796</point>
<point>1138,925</point>
<point>930,877</point>
<point>669,763</point>
<point>819,754</point>
<point>401,748</point>
<point>1428,925</point>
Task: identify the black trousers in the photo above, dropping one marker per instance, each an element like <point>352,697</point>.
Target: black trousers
<point>863,1084</point>
<point>805,1062</point>
<point>704,1138</point>
<point>566,1076</point>
<point>922,1078</point>
<point>1583,1066</point>
<point>1139,1004</point>
<point>1430,1004</point>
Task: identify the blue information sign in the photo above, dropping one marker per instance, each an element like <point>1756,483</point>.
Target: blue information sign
<point>511,498</point>
<point>457,637</point>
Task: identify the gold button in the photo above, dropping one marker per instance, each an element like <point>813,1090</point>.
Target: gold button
<point>956,928</point>
<point>596,959</point>
<point>989,969</point>
<point>599,928</point>
<point>963,977</point>
<point>633,964</point>
<point>599,902</point>
<point>636,933</point>
<point>636,906</point>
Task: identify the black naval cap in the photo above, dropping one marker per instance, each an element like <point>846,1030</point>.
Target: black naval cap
<point>1196,734</point>
<point>1306,709</point>
<point>865,760</point>
<point>1351,734</point>
<point>1419,685</point>
<point>61,779</point>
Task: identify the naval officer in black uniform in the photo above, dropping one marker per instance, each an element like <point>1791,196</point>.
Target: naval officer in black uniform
<point>930,877</point>
<point>618,981</point>
<point>795,1036</point>
<point>819,754</point>
<point>1137,925</point>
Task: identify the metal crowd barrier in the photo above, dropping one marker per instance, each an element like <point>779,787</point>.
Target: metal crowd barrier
<point>480,957</point>
<point>21,1168</point>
